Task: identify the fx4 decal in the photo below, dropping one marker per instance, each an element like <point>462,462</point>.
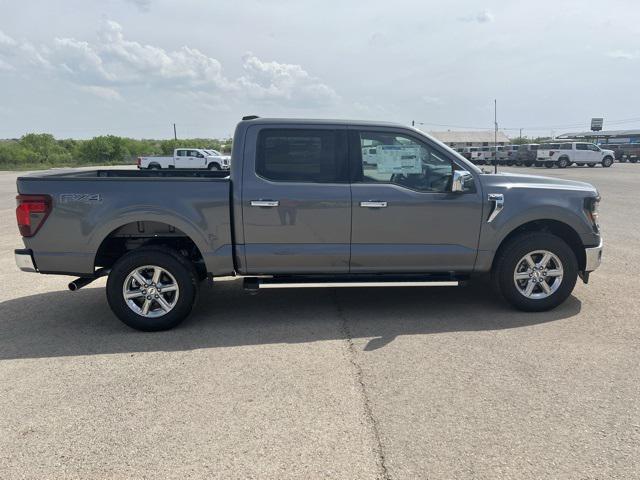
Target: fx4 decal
<point>80,197</point>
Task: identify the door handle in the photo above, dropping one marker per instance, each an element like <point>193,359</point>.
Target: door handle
<point>265,203</point>
<point>373,204</point>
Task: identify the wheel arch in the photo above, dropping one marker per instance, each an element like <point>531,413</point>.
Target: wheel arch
<point>556,227</point>
<point>117,240</point>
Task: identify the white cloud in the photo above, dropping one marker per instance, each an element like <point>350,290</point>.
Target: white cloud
<point>7,67</point>
<point>143,5</point>
<point>6,39</point>
<point>624,55</point>
<point>484,16</point>
<point>429,100</point>
<point>114,61</point>
<point>105,93</point>
<point>273,81</point>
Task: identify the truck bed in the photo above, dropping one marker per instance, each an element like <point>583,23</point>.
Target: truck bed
<point>89,206</point>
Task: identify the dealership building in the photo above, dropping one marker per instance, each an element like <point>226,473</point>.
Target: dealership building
<point>459,139</point>
<point>604,136</point>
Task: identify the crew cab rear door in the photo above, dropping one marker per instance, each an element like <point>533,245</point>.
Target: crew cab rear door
<point>296,199</point>
<point>405,217</point>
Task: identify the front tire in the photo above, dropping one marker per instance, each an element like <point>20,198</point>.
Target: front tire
<point>152,288</point>
<point>607,162</point>
<point>535,272</point>
<point>214,166</point>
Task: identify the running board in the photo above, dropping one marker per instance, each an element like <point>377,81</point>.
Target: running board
<point>253,284</point>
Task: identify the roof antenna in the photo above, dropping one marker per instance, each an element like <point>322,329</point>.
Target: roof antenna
<point>495,135</point>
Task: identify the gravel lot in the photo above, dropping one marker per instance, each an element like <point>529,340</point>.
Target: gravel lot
<point>344,384</point>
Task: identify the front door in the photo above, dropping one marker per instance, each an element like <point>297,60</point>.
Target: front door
<point>190,159</point>
<point>296,200</point>
<point>405,217</point>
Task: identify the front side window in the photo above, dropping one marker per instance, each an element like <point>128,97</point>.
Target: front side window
<point>300,155</point>
<point>594,148</point>
<point>401,160</point>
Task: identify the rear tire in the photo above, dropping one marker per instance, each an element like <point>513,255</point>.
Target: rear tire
<point>563,162</point>
<point>165,309</point>
<point>561,266</point>
<point>633,160</point>
<point>154,166</point>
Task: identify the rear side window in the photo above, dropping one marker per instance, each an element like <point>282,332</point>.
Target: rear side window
<point>565,146</point>
<point>302,155</point>
<point>581,146</point>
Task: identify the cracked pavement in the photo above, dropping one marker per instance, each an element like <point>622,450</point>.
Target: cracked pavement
<point>394,383</point>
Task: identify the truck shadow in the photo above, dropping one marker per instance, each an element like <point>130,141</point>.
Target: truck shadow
<point>62,323</point>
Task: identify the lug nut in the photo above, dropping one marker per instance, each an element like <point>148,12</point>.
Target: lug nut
<point>149,297</point>
<point>157,296</point>
<point>144,292</point>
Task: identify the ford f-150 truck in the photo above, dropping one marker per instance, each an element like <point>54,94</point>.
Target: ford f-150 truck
<point>580,153</point>
<point>188,158</point>
<point>301,208</point>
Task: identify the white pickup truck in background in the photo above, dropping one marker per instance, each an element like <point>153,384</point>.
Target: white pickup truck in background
<point>580,153</point>
<point>188,158</point>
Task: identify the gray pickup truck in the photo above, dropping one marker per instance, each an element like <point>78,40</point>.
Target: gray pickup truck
<point>302,208</point>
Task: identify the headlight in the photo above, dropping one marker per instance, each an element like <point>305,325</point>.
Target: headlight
<point>591,209</point>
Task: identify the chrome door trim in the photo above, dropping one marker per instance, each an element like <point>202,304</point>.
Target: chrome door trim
<point>265,203</point>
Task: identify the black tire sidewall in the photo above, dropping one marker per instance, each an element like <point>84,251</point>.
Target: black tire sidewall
<point>180,268</point>
<point>517,248</point>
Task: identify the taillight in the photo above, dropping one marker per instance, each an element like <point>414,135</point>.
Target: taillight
<point>31,212</point>
<point>551,152</point>
<point>138,161</point>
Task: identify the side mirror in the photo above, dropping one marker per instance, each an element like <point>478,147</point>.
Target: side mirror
<point>461,179</point>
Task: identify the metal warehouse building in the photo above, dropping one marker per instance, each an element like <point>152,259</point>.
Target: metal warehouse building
<point>605,136</point>
<point>470,139</point>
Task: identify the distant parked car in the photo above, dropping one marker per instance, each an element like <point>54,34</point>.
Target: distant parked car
<point>472,154</point>
<point>512,154</point>
<point>527,154</point>
<point>624,151</point>
<point>188,158</point>
<point>580,153</point>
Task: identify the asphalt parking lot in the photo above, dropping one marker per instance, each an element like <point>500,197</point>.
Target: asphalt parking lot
<point>344,384</point>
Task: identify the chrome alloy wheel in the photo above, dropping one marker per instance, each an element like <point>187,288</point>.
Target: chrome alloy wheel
<point>538,274</point>
<point>150,291</point>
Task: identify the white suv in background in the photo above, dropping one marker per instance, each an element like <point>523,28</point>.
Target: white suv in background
<point>580,153</point>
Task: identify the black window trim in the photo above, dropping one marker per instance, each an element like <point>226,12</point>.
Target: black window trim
<point>340,144</point>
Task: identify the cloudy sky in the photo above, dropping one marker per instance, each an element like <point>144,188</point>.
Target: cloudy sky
<point>78,68</point>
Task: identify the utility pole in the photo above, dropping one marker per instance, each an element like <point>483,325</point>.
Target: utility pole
<point>413,123</point>
<point>520,135</point>
<point>175,135</point>
<point>495,135</point>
